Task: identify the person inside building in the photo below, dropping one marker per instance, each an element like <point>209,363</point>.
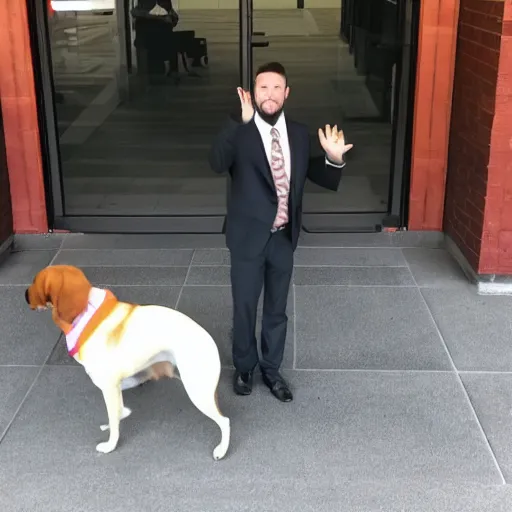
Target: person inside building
<point>155,43</point>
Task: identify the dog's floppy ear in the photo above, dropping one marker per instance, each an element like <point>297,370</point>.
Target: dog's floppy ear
<point>35,294</point>
<point>65,287</point>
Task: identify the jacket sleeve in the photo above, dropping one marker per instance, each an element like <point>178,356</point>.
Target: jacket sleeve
<point>222,151</point>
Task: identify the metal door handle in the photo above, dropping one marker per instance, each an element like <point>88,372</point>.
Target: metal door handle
<point>263,44</point>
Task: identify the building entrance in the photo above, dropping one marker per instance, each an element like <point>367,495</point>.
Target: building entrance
<point>135,91</point>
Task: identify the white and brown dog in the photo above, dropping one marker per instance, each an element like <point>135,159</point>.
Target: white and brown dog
<point>120,345</point>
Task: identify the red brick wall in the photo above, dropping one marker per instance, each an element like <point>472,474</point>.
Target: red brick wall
<point>5,193</point>
<point>496,254</point>
<point>478,168</point>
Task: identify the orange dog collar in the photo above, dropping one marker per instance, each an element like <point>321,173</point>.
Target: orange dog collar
<point>99,306</point>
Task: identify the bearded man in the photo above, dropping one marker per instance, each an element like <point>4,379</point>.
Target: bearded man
<point>268,158</point>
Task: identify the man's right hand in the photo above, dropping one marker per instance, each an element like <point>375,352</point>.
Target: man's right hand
<point>246,104</point>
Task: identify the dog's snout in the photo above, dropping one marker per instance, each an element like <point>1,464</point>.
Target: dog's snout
<point>27,300</point>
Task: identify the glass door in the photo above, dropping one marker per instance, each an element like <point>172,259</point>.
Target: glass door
<point>135,91</point>
<point>349,63</point>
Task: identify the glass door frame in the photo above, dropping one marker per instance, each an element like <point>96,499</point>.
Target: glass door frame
<point>396,215</point>
<point>245,12</point>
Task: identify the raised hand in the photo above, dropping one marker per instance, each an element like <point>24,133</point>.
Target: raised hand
<point>333,143</point>
<point>246,104</point>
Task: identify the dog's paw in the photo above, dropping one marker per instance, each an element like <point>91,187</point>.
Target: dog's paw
<point>219,452</point>
<point>106,447</point>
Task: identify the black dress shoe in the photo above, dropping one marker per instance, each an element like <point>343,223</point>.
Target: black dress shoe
<point>278,387</point>
<point>242,383</point>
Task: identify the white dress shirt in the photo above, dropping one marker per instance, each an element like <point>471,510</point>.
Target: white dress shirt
<point>265,128</point>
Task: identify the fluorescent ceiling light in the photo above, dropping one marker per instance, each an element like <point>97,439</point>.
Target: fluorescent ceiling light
<point>83,5</point>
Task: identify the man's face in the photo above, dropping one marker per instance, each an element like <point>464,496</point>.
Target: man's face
<point>270,92</point>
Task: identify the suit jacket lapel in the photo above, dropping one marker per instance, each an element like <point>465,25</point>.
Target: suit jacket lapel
<point>265,168</point>
<point>292,141</point>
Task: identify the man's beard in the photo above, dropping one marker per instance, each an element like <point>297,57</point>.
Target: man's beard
<point>271,119</point>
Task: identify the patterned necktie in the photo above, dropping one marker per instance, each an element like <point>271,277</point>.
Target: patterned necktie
<point>280,180</point>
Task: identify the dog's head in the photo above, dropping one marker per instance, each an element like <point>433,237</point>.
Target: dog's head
<point>63,288</point>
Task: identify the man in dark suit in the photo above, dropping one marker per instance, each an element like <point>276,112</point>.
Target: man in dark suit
<point>268,158</point>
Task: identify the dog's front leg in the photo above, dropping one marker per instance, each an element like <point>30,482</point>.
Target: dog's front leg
<point>114,403</point>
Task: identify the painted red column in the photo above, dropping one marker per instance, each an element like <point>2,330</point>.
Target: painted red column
<point>432,111</point>
<point>6,228</point>
<point>19,109</point>
<point>479,191</point>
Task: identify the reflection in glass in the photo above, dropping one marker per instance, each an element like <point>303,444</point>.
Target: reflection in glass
<point>141,90</point>
<point>340,64</point>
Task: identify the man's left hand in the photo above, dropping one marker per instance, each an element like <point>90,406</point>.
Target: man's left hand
<point>333,143</point>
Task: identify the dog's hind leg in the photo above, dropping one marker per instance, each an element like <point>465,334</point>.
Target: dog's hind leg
<point>203,395</point>
<point>114,402</point>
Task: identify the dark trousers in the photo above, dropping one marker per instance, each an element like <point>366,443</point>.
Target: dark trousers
<point>271,270</point>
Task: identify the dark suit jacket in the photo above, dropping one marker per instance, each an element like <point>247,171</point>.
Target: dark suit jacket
<point>252,203</point>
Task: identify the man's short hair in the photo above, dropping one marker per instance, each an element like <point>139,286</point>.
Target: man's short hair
<point>272,67</point>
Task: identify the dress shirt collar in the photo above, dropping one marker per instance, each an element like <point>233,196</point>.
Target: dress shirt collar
<point>265,127</point>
